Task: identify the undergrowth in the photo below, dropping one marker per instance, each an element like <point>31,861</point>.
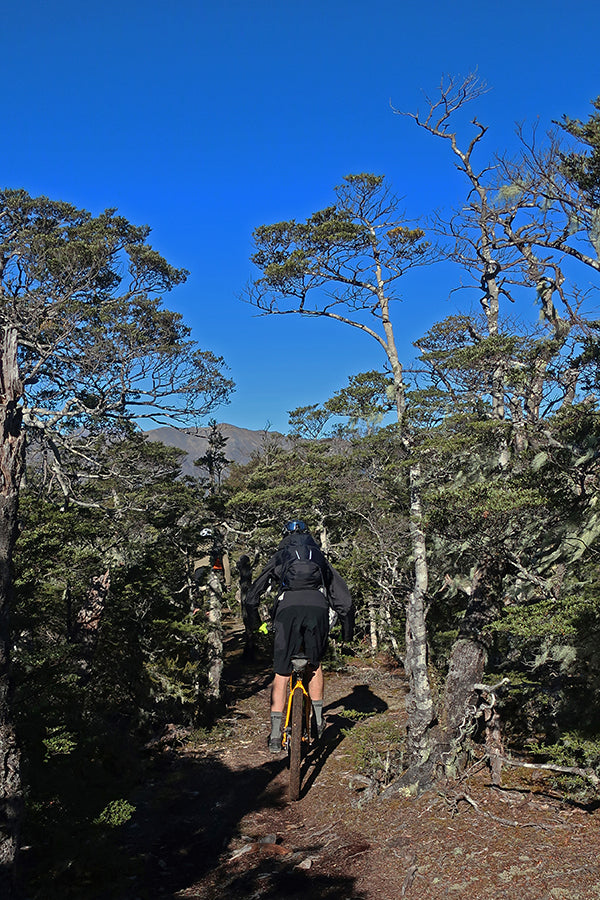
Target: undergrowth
<point>375,746</point>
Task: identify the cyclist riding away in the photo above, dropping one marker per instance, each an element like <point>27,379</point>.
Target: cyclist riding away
<point>308,586</point>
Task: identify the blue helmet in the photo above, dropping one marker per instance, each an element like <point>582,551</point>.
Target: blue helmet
<point>295,525</point>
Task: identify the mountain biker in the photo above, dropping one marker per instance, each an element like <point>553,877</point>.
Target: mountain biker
<point>211,555</point>
<point>308,586</point>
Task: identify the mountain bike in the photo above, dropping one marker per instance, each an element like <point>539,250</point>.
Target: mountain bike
<point>296,729</point>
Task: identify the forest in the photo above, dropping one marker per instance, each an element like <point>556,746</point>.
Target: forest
<point>457,492</point>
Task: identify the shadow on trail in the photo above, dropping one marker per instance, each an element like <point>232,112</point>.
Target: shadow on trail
<point>362,701</point>
<point>187,817</point>
<point>289,883</point>
<point>252,679</point>
<point>185,823</point>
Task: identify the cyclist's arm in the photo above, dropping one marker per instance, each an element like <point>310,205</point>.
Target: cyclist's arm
<point>257,589</point>
<point>340,599</point>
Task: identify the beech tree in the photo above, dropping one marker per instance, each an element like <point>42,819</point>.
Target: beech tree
<point>363,402</point>
<point>526,224</point>
<point>214,461</point>
<point>523,228</point>
<point>86,348</point>
<point>344,264</point>
<point>553,187</point>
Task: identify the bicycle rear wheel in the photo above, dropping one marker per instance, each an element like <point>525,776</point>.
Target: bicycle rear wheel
<point>296,743</point>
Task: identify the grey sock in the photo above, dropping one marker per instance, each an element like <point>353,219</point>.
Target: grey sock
<point>276,718</point>
<point>318,708</point>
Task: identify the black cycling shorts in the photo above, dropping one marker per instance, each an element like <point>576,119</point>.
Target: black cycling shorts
<point>299,628</point>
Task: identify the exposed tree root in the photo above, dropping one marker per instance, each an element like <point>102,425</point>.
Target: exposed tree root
<point>589,774</point>
<point>415,781</point>
<point>453,802</point>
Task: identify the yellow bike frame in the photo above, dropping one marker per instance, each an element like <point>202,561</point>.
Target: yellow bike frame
<point>297,686</point>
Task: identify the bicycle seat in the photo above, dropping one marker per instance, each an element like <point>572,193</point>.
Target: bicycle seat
<point>299,662</point>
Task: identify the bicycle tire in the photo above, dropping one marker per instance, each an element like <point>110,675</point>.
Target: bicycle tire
<point>296,743</point>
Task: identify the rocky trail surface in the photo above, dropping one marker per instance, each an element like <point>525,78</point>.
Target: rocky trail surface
<point>216,822</point>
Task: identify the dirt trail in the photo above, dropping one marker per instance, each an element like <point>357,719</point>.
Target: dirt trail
<point>217,823</point>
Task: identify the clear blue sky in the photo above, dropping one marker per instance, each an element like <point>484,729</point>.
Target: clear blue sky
<point>205,120</point>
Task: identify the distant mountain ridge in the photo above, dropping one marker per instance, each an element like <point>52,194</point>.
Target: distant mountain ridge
<point>241,443</point>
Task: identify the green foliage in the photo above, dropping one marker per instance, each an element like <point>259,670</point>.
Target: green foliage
<point>308,421</point>
<point>364,403</point>
<point>338,248</point>
<point>118,812</point>
<point>215,459</point>
<point>509,486</point>
<point>582,166</point>
<point>366,399</point>
<point>81,297</point>
<point>59,741</point>
<point>86,703</point>
<point>375,747</point>
<point>103,560</point>
<point>211,735</point>
<point>572,750</point>
<point>354,498</point>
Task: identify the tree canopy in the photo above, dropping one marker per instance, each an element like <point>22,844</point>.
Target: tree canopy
<point>87,348</point>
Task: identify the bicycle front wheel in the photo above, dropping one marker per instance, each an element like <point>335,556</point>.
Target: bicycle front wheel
<point>296,744</point>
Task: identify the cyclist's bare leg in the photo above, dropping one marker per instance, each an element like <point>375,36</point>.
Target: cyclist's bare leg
<point>278,698</point>
<point>279,689</point>
<point>315,689</point>
<point>316,684</point>
<point>278,692</point>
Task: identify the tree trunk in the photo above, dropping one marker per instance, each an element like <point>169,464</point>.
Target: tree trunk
<point>323,535</point>
<point>12,464</point>
<point>87,624</point>
<point>438,748</point>
<point>373,624</point>
<point>390,636</point>
<point>419,706</point>
<point>467,665</point>
<point>419,703</point>
<point>10,782</point>
<point>244,569</point>
<point>493,742</point>
<point>215,638</point>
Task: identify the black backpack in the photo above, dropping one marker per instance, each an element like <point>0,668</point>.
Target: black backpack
<point>302,569</point>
